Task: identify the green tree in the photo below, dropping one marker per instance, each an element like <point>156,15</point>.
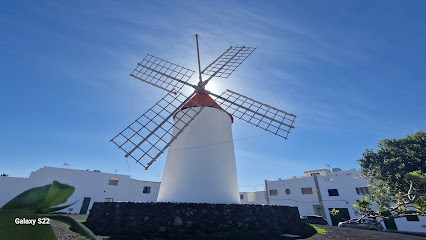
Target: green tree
<point>396,174</point>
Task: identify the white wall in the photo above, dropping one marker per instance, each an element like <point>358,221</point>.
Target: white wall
<point>345,182</point>
<point>258,197</point>
<point>304,202</point>
<point>87,184</point>
<point>411,226</point>
<point>10,187</point>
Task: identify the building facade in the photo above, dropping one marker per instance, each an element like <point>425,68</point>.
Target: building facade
<point>90,187</point>
<point>319,191</point>
<point>257,197</point>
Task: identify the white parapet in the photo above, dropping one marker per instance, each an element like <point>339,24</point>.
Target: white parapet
<point>200,165</point>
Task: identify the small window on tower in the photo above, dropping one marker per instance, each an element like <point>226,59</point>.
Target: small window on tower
<point>109,200</point>
<point>113,181</point>
<point>241,196</point>
<point>273,192</point>
<point>146,189</point>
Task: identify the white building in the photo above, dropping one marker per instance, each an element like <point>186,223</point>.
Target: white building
<point>322,190</point>
<point>90,187</point>
<point>315,193</point>
<point>258,197</point>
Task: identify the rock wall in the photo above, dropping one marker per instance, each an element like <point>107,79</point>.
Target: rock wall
<point>163,219</point>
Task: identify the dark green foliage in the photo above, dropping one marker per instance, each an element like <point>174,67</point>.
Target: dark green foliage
<point>395,165</point>
<point>394,159</point>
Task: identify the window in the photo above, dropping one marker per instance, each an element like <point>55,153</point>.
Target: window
<point>333,192</point>
<point>146,189</point>
<point>307,190</point>
<point>109,200</point>
<point>287,191</point>
<point>113,181</point>
<point>328,179</point>
<point>413,218</point>
<point>241,196</point>
<point>362,190</point>
<point>273,192</point>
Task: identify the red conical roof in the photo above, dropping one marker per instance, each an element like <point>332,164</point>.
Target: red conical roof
<point>203,100</point>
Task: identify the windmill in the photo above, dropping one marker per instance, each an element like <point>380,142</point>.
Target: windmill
<point>179,122</point>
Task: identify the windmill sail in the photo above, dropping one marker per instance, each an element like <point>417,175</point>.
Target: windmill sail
<point>152,133</point>
<point>254,112</point>
<point>162,74</point>
<point>230,60</point>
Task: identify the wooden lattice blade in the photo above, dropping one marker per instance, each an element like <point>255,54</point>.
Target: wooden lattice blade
<point>152,133</point>
<point>162,74</point>
<point>254,112</point>
<point>228,62</point>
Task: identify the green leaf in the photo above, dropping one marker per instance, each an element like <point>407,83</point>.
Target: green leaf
<point>75,225</point>
<point>58,193</point>
<point>54,209</point>
<point>334,212</point>
<point>41,198</point>
<point>29,199</point>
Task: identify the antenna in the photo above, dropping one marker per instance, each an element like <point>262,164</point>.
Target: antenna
<point>152,133</point>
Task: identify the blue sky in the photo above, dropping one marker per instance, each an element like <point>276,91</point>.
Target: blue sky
<point>352,71</point>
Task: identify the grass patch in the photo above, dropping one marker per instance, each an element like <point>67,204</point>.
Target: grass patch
<point>303,231</point>
<point>82,220</point>
<point>319,230</point>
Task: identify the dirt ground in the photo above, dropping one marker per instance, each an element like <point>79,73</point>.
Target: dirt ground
<point>63,232</point>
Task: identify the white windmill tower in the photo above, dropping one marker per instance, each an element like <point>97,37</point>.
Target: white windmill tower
<point>178,122</point>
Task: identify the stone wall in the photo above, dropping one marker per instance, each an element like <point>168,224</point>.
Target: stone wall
<point>164,219</point>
